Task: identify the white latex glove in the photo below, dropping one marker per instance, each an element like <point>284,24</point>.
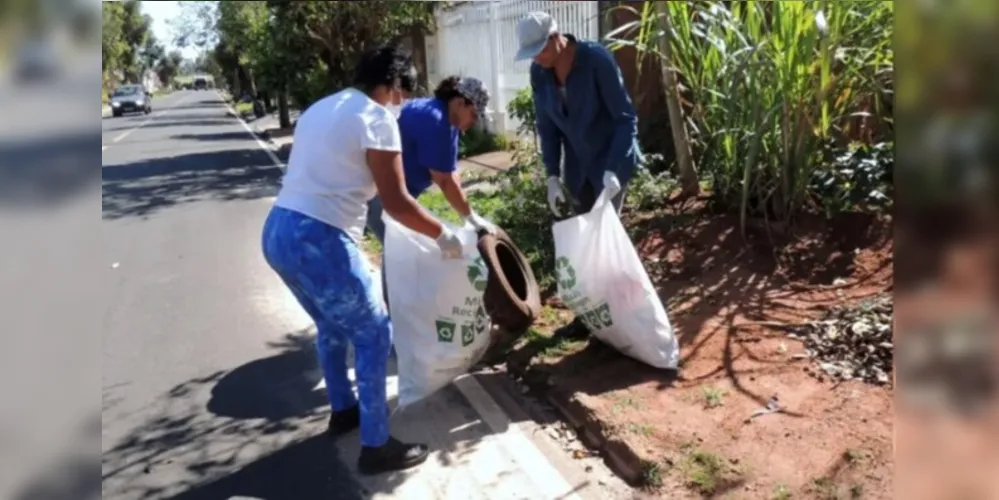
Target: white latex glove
<point>611,183</point>
<point>480,223</point>
<point>449,244</point>
<point>556,195</point>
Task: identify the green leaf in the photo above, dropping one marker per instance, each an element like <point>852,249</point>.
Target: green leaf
<point>474,273</point>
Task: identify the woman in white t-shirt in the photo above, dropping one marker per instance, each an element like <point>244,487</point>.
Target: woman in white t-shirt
<point>347,150</point>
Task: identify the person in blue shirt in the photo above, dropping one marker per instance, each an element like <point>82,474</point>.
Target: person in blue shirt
<point>430,128</point>
<point>585,118</point>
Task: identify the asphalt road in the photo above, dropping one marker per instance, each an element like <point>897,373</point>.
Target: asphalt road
<point>209,377</point>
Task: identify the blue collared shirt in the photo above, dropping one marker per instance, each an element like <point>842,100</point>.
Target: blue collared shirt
<point>597,126</point>
<point>429,142</point>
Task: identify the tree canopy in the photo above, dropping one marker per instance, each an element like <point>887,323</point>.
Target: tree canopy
<point>129,48</point>
<point>300,49</point>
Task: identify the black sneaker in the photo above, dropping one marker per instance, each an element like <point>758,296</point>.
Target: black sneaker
<point>342,422</point>
<point>392,456</point>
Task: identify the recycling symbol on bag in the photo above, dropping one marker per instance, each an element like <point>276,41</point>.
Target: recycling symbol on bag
<point>566,273</point>
<point>478,274</point>
<point>445,330</point>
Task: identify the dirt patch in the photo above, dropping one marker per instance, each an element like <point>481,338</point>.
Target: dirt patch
<point>748,415</point>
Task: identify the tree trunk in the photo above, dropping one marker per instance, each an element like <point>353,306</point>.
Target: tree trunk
<point>333,67</point>
<point>237,85</point>
<point>678,126</point>
<point>258,108</point>
<point>419,42</point>
<point>267,97</point>
<point>247,82</point>
<point>283,115</point>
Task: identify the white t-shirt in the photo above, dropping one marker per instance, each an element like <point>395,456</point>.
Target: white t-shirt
<point>328,177</point>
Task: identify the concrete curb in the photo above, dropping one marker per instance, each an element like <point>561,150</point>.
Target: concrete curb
<point>619,456</point>
<point>283,150</point>
<point>473,161</point>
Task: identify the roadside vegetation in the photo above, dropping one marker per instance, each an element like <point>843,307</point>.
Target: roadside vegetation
<point>129,49</point>
<point>788,110</point>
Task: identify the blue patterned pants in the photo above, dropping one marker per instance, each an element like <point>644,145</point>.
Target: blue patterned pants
<point>329,276</point>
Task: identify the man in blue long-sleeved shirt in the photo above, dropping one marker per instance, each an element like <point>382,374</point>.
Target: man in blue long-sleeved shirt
<point>586,122</point>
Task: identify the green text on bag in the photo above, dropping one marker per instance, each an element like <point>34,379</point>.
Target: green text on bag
<point>469,318</point>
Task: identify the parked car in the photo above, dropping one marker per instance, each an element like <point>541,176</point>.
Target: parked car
<point>131,99</point>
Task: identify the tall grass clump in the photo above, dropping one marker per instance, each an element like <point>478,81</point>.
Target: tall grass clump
<point>774,91</point>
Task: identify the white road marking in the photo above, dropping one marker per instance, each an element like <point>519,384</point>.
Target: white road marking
<point>508,434</point>
<point>154,114</point>
<point>260,142</point>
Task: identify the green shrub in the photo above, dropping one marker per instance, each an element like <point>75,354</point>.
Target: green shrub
<point>523,213</point>
<point>485,204</point>
<point>649,191</point>
<point>521,108</point>
<point>311,85</point>
<point>244,108</point>
<point>860,178</point>
<point>477,141</point>
<point>773,87</point>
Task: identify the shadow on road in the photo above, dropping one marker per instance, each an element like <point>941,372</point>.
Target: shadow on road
<point>146,187</point>
<point>220,136</point>
<point>269,408</point>
<point>216,104</point>
<point>173,120</point>
<point>307,469</point>
<point>46,170</point>
<point>274,388</point>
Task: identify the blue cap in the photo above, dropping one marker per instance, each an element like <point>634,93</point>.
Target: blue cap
<point>533,32</point>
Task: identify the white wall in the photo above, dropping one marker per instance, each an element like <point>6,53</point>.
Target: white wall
<point>479,39</point>
<point>151,81</point>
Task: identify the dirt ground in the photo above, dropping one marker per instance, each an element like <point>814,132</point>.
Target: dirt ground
<point>730,301</point>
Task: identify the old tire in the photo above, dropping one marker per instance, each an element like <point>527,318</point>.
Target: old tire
<point>512,297</point>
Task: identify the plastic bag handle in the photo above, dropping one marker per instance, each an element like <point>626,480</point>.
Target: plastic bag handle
<point>603,199</point>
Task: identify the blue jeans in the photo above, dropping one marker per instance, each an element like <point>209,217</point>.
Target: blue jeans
<point>329,276</point>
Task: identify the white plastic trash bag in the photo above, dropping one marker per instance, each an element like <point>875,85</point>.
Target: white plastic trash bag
<point>440,326</point>
<point>602,280</point>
